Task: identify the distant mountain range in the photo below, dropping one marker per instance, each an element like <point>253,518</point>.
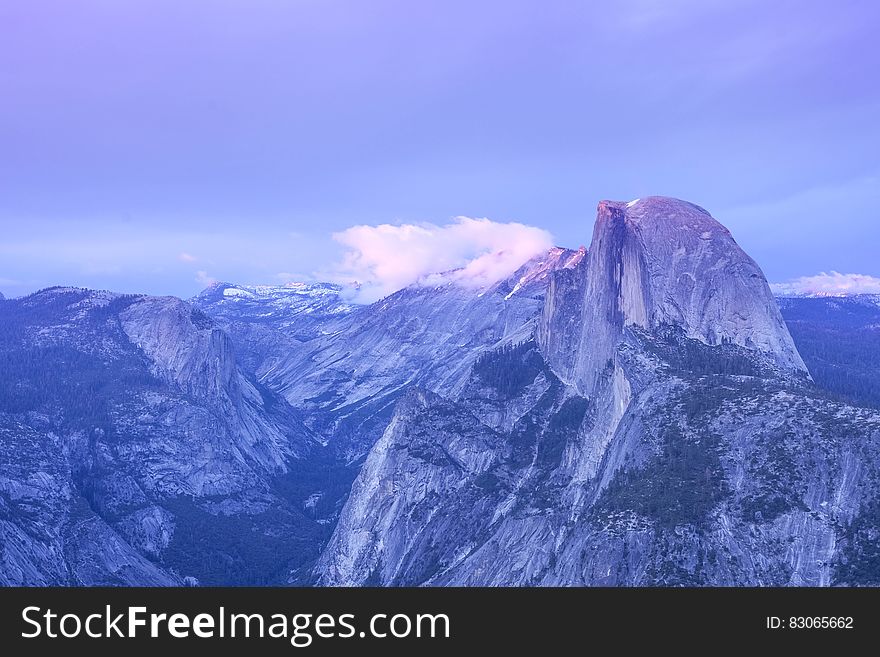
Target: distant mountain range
<point>642,412</point>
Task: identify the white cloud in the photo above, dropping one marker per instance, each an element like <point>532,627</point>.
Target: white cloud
<point>829,284</point>
<point>186,257</point>
<point>386,258</point>
<point>203,278</point>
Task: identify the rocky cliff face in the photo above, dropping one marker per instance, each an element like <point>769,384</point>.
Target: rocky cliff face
<point>128,437</point>
<point>657,261</point>
<point>663,430</point>
<point>346,377</point>
<point>724,480</point>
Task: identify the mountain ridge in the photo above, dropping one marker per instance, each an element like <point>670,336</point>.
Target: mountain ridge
<point>633,413</point>
<point>641,405</point>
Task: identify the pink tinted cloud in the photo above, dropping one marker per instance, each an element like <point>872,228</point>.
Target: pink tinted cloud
<point>386,258</point>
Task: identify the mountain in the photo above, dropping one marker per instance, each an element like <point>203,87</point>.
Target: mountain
<point>300,308</point>
<point>657,261</point>
<point>676,439</point>
<point>346,376</point>
<point>152,422</point>
<point>635,413</point>
<point>134,448</point>
<point>267,321</point>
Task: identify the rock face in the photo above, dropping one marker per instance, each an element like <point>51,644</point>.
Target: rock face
<point>346,378</point>
<point>662,430</point>
<point>657,261</point>
<point>134,449</point>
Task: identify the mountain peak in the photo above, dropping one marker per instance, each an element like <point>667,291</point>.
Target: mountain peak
<point>533,275</point>
<point>655,205</point>
<point>660,213</point>
<point>656,261</point>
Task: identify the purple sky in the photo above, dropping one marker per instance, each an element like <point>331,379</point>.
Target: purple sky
<point>143,142</point>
